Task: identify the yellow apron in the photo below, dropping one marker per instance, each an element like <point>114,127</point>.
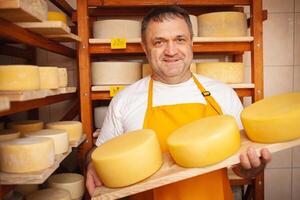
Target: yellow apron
<point>164,120</point>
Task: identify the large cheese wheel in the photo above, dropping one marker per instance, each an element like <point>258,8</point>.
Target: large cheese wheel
<point>59,137</point>
<point>26,126</point>
<point>50,194</point>
<point>222,24</point>
<point>227,72</point>
<point>205,141</point>
<point>26,155</point>
<point>117,28</point>
<point>100,113</point>
<point>49,77</point>
<point>273,119</point>
<point>26,189</point>
<point>73,128</point>
<point>19,77</point>
<point>146,68</point>
<point>116,161</point>
<point>114,73</point>
<point>57,16</point>
<point>9,134</point>
<point>62,77</point>
<point>73,183</point>
<point>194,22</point>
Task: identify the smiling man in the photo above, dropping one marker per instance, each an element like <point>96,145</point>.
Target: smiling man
<point>170,98</point>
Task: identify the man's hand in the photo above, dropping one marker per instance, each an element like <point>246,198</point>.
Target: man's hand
<point>92,179</point>
<point>251,164</point>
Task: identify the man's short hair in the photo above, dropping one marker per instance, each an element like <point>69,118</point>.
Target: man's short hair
<point>162,13</point>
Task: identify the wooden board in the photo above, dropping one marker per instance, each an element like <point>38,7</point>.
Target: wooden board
<point>103,87</point>
<point>241,85</point>
<point>21,11</point>
<point>34,177</point>
<point>46,27</point>
<point>107,40</point>
<point>170,172</point>
<point>4,103</point>
<point>77,143</point>
<point>70,37</point>
<point>64,90</point>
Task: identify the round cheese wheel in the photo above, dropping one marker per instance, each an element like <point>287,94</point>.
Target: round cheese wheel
<point>26,189</point>
<point>49,77</point>
<point>26,155</point>
<point>222,24</point>
<point>9,134</point>
<point>115,73</point>
<point>100,113</point>
<point>62,77</point>
<point>59,137</point>
<point>19,77</point>
<point>50,194</point>
<point>273,119</point>
<point>227,72</point>
<point>116,160</point>
<point>205,141</point>
<point>194,22</point>
<point>117,28</point>
<point>26,126</point>
<point>73,183</point>
<point>57,16</point>
<point>73,128</point>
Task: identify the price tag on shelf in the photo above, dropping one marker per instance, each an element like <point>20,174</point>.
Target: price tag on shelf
<point>118,43</point>
<point>113,90</point>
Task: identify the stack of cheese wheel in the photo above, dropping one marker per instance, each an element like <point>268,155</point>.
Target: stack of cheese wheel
<point>146,68</point>
<point>62,77</point>
<point>73,128</point>
<point>59,137</point>
<point>26,126</point>
<point>222,24</point>
<point>26,189</point>
<point>73,183</point>
<point>9,134</point>
<point>50,194</point>
<point>57,16</point>
<point>273,119</point>
<point>100,113</point>
<point>49,77</point>
<point>194,22</point>
<point>116,161</point>
<point>227,72</point>
<point>117,28</point>
<point>115,73</point>
<point>19,77</point>
<point>26,155</point>
<point>204,142</point>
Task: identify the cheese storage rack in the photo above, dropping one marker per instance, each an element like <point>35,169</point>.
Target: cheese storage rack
<point>12,33</point>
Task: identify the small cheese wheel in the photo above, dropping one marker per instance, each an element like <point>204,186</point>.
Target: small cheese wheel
<point>62,77</point>
<point>222,24</point>
<point>19,77</point>
<point>227,72</point>
<point>57,16</point>
<point>59,137</point>
<point>115,73</point>
<point>273,119</point>
<point>73,183</point>
<point>9,134</point>
<point>26,155</point>
<point>49,77</point>
<point>115,161</point>
<point>117,28</point>
<point>73,128</point>
<point>100,113</point>
<point>146,68</point>
<point>50,194</point>
<point>194,22</point>
<point>26,126</point>
<point>26,189</point>
<point>205,141</point>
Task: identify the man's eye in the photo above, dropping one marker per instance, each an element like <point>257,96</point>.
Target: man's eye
<point>181,40</point>
<point>157,43</point>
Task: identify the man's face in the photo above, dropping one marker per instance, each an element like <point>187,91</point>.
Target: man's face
<point>168,47</point>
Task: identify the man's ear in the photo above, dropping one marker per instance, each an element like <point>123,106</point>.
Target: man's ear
<point>144,47</point>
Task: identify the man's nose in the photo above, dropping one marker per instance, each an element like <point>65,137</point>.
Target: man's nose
<point>171,49</point>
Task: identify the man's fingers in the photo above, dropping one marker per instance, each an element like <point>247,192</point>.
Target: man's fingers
<point>265,156</point>
<point>245,161</point>
<point>253,158</point>
<point>90,185</point>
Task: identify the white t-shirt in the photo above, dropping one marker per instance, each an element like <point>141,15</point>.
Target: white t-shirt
<point>127,109</point>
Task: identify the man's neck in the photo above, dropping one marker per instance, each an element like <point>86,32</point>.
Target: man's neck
<point>172,80</point>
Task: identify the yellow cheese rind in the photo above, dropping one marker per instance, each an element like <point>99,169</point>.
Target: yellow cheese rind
<point>50,194</point>
<point>26,155</point>
<point>222,24</point>
<point>73,128</point>
<point>19,77</point>
<point>227,72</point>
<point>204,142</point>
<point>62,77</point>
<point>57,16</point>
<point>59,137</point>
<point>49,77</point>
<point>273,119</point>
<point>71,182</point>
<point>9,134</point>
<point>116,160</point>
<point>26,126</point>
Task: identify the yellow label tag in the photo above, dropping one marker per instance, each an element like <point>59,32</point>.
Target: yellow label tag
<point>113,90</point>
<point>118,43</point>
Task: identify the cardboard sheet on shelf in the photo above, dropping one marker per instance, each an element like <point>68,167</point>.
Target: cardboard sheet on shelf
<point>170,172</point>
